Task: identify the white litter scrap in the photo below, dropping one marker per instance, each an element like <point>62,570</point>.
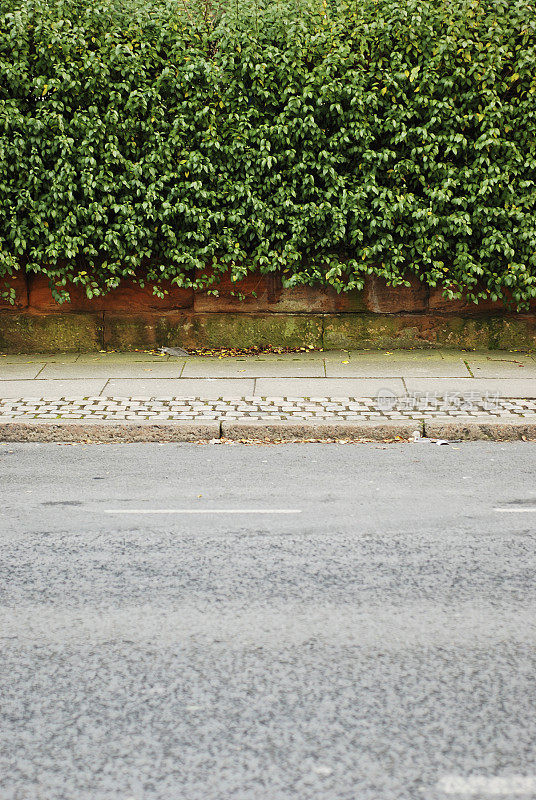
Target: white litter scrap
<point>416,437</point>
<point>323,770</point>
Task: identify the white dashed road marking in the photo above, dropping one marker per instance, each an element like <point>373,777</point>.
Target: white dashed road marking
<point>530,510</point>
<point>202,511</point>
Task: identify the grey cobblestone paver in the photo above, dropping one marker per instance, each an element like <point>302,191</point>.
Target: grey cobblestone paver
<point>264,408</point>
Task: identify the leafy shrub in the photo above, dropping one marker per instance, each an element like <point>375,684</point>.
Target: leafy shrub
<point>318,140</point>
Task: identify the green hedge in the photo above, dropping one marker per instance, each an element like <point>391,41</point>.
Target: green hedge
<point>321,141</point>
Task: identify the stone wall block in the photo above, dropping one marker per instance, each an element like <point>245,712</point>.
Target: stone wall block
<point>128,297</point>
<point>19,284</point>
<point>259,293</point>
<point>383,299</point>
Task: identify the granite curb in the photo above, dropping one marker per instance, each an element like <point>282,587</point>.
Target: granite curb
<point>491,429</point>
<point>108,431</point>
<point>289,430</point>
<point>103,431</point>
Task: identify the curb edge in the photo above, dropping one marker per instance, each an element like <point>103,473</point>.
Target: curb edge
<point>122,431</point>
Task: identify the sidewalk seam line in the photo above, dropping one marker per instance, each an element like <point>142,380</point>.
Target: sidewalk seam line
<point>469,370</point>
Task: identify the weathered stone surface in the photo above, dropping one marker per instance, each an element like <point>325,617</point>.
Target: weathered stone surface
<point>289,430</point>
<point>513,333</point>
<point>17,283</point>
<point>248,294</point>
<point>244,330</point>
<point>481,333</point>
<point>491,429</point>
<point>425,330</point>
<point>258,293</point>
<point>138,331</point>
<point>383,299</point>
<point>437,302</point>
<point>374,331</point>
<point>49,333</point>
<point>212,330</point>
<point>316,300</point>
<point>96,431</point>
<point>25,332</point>
<point>128,297</point>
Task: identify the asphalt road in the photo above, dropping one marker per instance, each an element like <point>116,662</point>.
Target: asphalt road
<point>374,642</point>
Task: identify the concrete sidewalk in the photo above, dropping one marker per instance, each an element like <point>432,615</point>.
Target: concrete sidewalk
<point>330,373</point>
<point>269,393</point>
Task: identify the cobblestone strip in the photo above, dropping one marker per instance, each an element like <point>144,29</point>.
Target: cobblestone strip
<point>265,408</point>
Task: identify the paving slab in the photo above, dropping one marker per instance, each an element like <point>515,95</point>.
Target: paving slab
<point>327,387</point>
<point>501,365</point>
<point>51,389</point>
<point>397,364</point>
<point>42,358</point>
<point>180,387</point>
<point>116,357</point>
<point>19,371</point>
<point>114,369</point>
<point>254,367</point>
<point>349,374</point>
<point>328,355</point>
<point>505,387</point>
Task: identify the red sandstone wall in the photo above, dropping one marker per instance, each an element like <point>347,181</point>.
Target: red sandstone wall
<point>129,296</point>
<point>261,293</point>
<point>19,283</point>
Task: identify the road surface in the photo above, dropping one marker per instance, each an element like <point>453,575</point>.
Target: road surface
<point>217,622</point>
